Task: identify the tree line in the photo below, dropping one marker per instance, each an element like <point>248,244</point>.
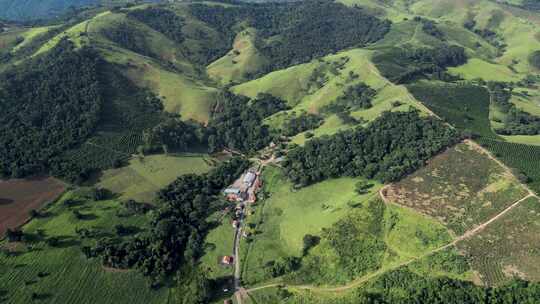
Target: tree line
<point>395,144</point>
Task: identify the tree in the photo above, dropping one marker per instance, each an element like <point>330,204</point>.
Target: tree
<point>14,235</point>
<point>362,187</point>
<point>309,241</point>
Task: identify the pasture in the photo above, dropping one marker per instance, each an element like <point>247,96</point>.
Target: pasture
<point>508,247</point>
<point>242,60</point>
<point>311,86</point>
<point>143,177</point>
<point>461,188</point>
<point>19,196</point>
<point>280,222</point>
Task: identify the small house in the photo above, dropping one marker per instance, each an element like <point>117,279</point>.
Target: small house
<point>227,260</point>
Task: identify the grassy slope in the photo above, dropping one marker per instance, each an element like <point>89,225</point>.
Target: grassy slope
<point>294,86</point>
<point>286,216</point>
<point>181,90</point>
<point>71,277</point>
<point>144,177</point>
<point>243,59</point>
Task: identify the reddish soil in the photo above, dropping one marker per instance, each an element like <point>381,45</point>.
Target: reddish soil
<point>19,196</point>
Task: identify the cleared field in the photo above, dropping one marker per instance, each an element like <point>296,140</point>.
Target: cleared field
<point>36,271</point>
<point>508,247</point>
<point>281,221</point>
<point>142,178</point>
<point>218,243</point>
<point>462,188</point>
<point>19,196</point>
<point>478,68</point>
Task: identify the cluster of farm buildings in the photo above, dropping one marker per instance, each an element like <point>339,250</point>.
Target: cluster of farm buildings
<point>245,188</point>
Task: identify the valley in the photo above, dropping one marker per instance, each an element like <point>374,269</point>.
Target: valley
<point>350,151</point>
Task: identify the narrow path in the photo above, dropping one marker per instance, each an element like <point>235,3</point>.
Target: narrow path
<point>236,253</point>
<point>379,272</point>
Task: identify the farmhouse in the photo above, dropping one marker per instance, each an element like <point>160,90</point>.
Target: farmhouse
<point>227,260</point>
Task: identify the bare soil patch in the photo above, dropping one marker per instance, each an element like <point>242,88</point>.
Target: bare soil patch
<point>19,196</point>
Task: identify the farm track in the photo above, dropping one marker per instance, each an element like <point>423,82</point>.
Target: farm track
<point>466,235</point>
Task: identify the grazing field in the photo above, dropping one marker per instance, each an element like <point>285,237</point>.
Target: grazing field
<point>19,196</point>
<point>464,106</point>
<point>311,86</point>
<point>281,221</point>
<point>523,158</point>
<point>373,236</point>
<point>508,247</point>
<point>462,188</point>
<point>46,272</point>
<point>219,242</point>
<point>142,178</point>
<point>244,59</point>
<point>477,68</point>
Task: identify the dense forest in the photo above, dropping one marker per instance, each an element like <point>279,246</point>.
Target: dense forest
<point>354,98</point>
<point>49,105</point>
<point>237,122</point>
<point>178,226</point>
<point>299,32</point>
<point>404,65</point>
<point>128,38</point>
<point>161,20</point>
<point>391,146</point>
<point>300,123</point>
<point>403,286</point>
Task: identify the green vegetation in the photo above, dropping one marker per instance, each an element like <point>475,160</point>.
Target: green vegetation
<point>409,142</point>
<point>177,231</point>
<point>60,273</point>
<point>406,64</point>
<point>464,106</point>
<point>237,122</point>
<point>524,158</point>
<point>505,250</point>
<point>50,105</point>
<point>291,33</point>
<point>286,216</point>
<point>143,177</point>
<point>461,199</point>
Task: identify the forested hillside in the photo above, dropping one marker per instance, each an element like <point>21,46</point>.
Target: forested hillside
<point>50,104</point>
<point>349,151</point>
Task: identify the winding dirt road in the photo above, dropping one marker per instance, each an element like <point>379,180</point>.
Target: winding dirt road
<point>466,235</point>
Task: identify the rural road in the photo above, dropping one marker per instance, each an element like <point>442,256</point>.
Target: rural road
<point>236,253</point>
<point>456,240</point>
